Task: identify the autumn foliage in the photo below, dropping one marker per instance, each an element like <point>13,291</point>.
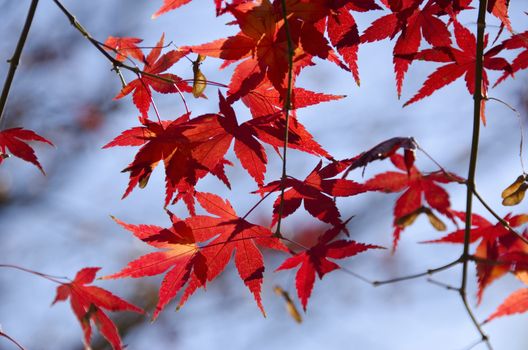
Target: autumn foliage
<point>275,42</point>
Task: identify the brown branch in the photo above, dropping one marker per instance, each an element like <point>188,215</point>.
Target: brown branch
<point>418,275</point>
<point>15,59</point>
<point>501,220</point>
<point>2,334</point>
<point>477,104</point>
<point>286,110</point>
<point>101,47</point>
<point>40,274</point>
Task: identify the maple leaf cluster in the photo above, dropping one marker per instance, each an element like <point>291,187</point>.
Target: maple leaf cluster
<point>275,42</point>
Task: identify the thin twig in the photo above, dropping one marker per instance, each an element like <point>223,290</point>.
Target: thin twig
<point>258,203</point>
<point>356,275</point>
<point>286,109</point>
<point>2,334</point>
<point>101,47</point>
<point>521,129</point>
<point>443,285</point>
<point>501,220</point>
<point>40,274</point>
<point>15,59</point>
<point>417,275</point>
<point>473,345</point>
<point>477,104</point>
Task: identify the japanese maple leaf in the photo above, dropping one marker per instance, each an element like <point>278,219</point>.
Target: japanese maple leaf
<point>266,100</point>
<point>169,5</point>
<point>454,6</point>
<point>413,23</point>
<point>271,129</point>
<point>344,35</point>
<point>316,191</point>
<point>248,150</point>
<point>124,47</point>
<point>155,65</point>
<point>263,45</point>
<point>88,303</point>
<point>189,148</point>
<point>336,19</point>
<point>316,260</point>
<point>15,141</point>
<point>459,62</point>
<point>516,303</point>
<point>384,150</point>
<point>247,135</point>
<point>499,8</point>
<point>262,36</point>
<point>416,187</point>
<point>233,235</point>
<point>497,243</point>
<point>180,255</point>
<point>517,41</point>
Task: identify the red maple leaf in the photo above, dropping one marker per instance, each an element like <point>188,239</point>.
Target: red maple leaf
<point>343,31</point>
<point>517,41</point>
<point>384,150</point>
<point>416,187</point>
<point>180,256</point>
<point>199,248</point>
<point>233,236</point>
<point>189,148</point>
<point>87,303</point>
<point>14,140</point>
<point>497,244</point>
<point>169,5</point>
<point>124,47</point>
<point>156,65</point>
<point>413,23</point>
<point>263,45</point>
<point>459,62</point>
<point>316,191</point>
<point>499,8</point>
<point>266,128</point>
<point>315,260</point>
<point>265,100</point>
<point>516,303</point>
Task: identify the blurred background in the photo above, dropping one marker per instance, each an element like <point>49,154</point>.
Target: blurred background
<point>60,223</point>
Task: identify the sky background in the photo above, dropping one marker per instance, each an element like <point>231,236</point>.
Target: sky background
<point>60,223</point>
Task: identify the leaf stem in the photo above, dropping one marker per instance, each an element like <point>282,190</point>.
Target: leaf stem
<point>2,334</point>
<point>501,220</point>
<point>40,274</point>
<point>100,47</point>
<point>15,59</point>
<point>257,204</point>
<point>418,275</point>
<point>286,110</point>
<point>477,105</point>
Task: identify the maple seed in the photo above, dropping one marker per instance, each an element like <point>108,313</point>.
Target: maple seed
<point>514,194</point>
<point>199,79</point>
<point>290,305</point>
<point>434,220</point>
<point>409,219</point>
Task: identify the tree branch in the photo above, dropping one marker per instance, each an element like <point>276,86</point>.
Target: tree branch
<point>501,220</point>
<point>2,334</point>
<point>100,47</point>
<point>286,110</point>
<point>477,105</point>
<point>15,59</point>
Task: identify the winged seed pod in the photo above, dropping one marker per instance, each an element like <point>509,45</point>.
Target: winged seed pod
<point>408,220</point>
<point>514,194</point>
<point>199,79</point>
<point>290,305</point>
